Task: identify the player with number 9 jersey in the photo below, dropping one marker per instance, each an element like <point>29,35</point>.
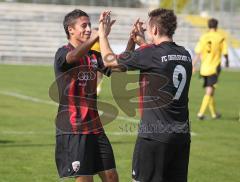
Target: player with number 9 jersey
<point>162,148</point>
<point>165,74</point>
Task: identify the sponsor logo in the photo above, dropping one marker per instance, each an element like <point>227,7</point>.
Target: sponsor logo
<point>85,76</point>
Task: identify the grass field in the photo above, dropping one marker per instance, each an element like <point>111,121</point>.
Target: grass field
<point>27,130</point>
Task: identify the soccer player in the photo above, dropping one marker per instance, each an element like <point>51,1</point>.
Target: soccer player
<point>162,148</point>
<point>82,148</point>
<point>209,49</point>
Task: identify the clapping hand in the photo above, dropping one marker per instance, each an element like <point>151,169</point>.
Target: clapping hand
<point>137,33</point>
<point>105,23</point>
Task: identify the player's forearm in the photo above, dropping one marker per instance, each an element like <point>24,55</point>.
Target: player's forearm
<point>196,59</point>
<point>109,58</point>
<point>130,45</point>
<point>81,50</point>
<point>226,60</point>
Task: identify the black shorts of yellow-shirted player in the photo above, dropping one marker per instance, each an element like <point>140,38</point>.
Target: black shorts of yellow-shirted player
<point>209,49</point>
<point>82,147</point>
<point>161,152</point>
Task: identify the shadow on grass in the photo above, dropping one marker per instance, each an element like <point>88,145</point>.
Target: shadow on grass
<point>7,144</point>
<point>123,142</point>
<point>222,118</point>
<point>6,141</point>
<point>232,119</point>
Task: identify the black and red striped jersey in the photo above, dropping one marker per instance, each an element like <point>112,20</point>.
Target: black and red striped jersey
<point>165,74</point>
<point>77,83</point>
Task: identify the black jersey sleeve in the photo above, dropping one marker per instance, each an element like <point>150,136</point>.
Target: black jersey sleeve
<point>136,60</point>
<point>60,59</point>
<point>100,67</point>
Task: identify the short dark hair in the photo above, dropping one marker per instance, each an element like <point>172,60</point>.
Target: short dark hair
<point>70,18</point>
<point>165,19</point>
<point>213,23</point>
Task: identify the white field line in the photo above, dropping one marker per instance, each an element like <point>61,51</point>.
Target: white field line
<point>37,100</point>
<point>28,98</point>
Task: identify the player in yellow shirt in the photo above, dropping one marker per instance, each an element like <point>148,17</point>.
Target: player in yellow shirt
<point>210,48</point>
<point>96,47</point>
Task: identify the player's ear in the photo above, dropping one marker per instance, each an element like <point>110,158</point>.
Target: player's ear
<point>155,30</point>
<point>70,30</point>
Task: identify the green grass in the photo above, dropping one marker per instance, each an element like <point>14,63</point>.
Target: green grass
<point>27,130</point>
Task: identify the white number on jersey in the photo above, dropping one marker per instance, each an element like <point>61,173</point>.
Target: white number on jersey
<point>179,69</point>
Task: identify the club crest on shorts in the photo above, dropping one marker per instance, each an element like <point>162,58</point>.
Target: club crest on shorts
<point>133,173</point>
<point>76,166</point>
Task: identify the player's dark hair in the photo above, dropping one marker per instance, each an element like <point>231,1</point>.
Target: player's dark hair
<point>165,20</point>
<point>70,19</point>
<point>212,23</point>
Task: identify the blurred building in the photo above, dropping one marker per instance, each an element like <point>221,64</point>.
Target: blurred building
<point>31,30</point>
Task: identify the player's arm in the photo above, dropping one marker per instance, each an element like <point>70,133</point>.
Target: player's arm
<point>136,36</point>
<point>112,57</point>
<point>226,60</point>
<point>105,23</point>
<point>198,50</point>
<point>225,52</point>
<point>195,61</point>
<point>137,33</point>
<point>109,58</point>
<point>131,44</point>
<point>81,50</point>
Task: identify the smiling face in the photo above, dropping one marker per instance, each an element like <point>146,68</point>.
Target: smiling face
<point>80,30</point>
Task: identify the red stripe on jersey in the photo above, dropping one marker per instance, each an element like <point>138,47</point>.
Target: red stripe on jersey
<point>83,104</point>
<point>90,123</point>
<point>94,120</point>
<point>72,108</point>
<point>83,110</point>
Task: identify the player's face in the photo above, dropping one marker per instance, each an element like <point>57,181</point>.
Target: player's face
<point>81,30</point>
<point>150,33</point>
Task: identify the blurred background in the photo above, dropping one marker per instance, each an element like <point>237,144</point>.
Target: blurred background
<point>31,30</point>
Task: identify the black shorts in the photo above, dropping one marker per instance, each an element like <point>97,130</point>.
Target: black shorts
<point>83,155</point>
<point>211,80</point>
<point>154,161</point>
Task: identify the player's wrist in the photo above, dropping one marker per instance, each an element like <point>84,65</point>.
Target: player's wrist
<point>102,35</point>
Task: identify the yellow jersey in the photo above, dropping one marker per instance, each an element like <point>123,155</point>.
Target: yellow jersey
<point>211,47</point>
<point>96,47</point>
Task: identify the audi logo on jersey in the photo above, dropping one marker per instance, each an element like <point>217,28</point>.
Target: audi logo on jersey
<point>87,75</point>
<point>84,76</point>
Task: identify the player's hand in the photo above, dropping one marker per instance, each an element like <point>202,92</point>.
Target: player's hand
<point>105,23</point>
<point>137,33</point>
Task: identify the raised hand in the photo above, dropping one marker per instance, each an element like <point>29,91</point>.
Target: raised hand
<point>105,23</point>
<point>137,33</point>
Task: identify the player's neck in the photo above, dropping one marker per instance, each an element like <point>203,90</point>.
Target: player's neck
<point>159,40</point>
<point>74,42</point>
<point>212,30</point>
